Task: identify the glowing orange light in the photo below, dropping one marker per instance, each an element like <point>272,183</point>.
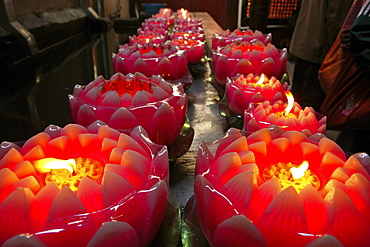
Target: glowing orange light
<point>68,172</point>
<point>289,174</point>
<point>261,80</point>
<point>45,165</point>
<point>289,107</point>
<point>298,172</point>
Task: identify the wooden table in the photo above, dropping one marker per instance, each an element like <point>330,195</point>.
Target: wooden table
<point>204,118</point>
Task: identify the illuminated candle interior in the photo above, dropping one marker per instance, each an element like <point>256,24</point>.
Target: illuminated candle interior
<point>289,174</point>
<point>286,113</point>
<point>69,172</point>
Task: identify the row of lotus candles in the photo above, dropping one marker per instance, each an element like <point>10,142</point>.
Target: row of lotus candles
<point>104,179</point>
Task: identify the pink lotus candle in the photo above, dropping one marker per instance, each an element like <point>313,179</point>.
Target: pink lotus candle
<point>152,23</point>
<point>124,102</point>
<point>242,90</point>
<point>194,49</point>
<point>183,14</point>
<point>77,186</point>
<point>281,189</point>
<point>189,22</point>
<point>246,58</point>
<point>227,37</point>
<point>288,116</point>
<point>166,13</point>
<point>149,37</point>
<point>196,34</point>
<point>153,31</point>
<point>161,59</point>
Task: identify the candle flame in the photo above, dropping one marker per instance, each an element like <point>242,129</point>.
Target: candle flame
<point>147,40</point>
<point>261,80</point>
<point>298,172</point>
<point>290,98</point>
<point>45,165</point>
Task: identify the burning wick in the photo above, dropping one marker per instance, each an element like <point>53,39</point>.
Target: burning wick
<point>261,80</point>
<point>69,172</point>
<point>290,175</point>
<point>289,107</point>
<point>298,172</point>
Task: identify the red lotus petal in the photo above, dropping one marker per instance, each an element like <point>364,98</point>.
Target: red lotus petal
<point>283,219</point>
<point>24,240</point>
<point>128,143</point>
<point>143,211</point>
<point>14,213</point>
<point>135,163</point>
<point>326,145</point>
<point>24,169</point>
<point>35,153</point>
<point>355,166</point>
<point>225,165</point>
<point>240,189</point>
<point>345,220</point>
<point>315,208</point>
<point>329,163</point>
<point>114,188</point>
<point>105,131</point>
<point>326,240</point>
<point>40,139</point>
<point>204,159</point>
<point>262,199</point>
<point>359,191</point>
<point>11,158</point>
<point>237,145</point>
<point>66,203</point>
<point>29,182</point>
<point>209,205</point>
<point>41,206</point>
<point>231,135</point>
<point>261,135</point>
<point>115,233</point>
<point>90,194</point>
<point>236,230</point>
<point>7,179</point>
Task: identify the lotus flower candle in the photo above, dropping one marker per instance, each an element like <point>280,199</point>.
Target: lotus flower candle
<point>188,33</point>
<point>242,90</point>
<point>152,23</point>
<point>288,116</point>
<point>124,102</point>
<point>166,13</point>
<point>165,60</point>
<point>77,186</point>
<point>189,22</point>
<point>194,49</point>
<point>227,37</point>
<point>151,37</point>
<point>183,14</point>
<point>152,32</point>
<point>246,58</point>
<point>273,189</point>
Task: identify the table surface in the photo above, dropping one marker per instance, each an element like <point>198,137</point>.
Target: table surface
<point>204,118</point>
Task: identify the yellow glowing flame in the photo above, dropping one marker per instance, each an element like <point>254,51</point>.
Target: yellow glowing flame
<point>45,165</point>
<point>261,80</point>
<point>298,172</point>
<point>290,98</point>
<point>147,40</point>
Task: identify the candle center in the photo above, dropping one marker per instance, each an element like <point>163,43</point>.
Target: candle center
<point>69,172</point>
<point>130,86</point>
<point>289,174</point>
